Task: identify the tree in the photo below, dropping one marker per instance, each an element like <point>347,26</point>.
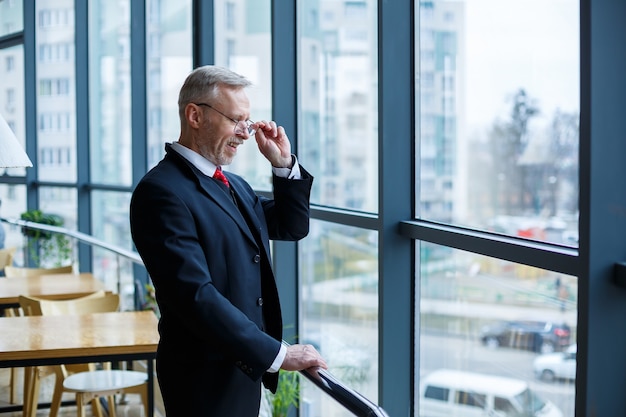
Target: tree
<point>508,142</point>
<point>565,141</point>
<point>534,172</point>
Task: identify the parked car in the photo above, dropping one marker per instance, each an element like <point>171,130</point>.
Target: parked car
<point>553,366</point>
<point>447,392</point>
<point>537,336</point>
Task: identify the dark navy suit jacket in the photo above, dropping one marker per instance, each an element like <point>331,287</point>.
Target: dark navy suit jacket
<point>209,259</point>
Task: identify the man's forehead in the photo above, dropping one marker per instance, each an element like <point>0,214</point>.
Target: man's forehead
<point>236,100</point>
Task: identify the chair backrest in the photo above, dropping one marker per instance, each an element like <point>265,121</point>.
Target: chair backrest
<point>6,257</point>
<point>21,272</point>
<point>98,302</point>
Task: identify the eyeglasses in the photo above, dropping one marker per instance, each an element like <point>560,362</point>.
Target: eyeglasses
<point>241,126</point>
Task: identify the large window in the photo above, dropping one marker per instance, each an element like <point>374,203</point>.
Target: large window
<point>507,319</point>
<point>484,108</point>
<point>11,17</point>
<point>338,143</point>
<point>243,44</point>
<point>12,97</point>
<point>56,98</point>
<point>498,132</point>
<point>499,116</point>
<point>337,85</point>
<point>110,92</point>
<point>168,61</point>
<point>339,309</point>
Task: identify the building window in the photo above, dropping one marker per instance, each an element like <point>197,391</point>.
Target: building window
<point>10,63</point>
<point>10,102</point>
<point>55,52</point>
<point>54,87</point>
<point>55,17</point>
<point>230,16</point>
<point>355,10</point>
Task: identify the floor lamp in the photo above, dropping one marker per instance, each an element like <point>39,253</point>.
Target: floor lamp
<point>11,153</point>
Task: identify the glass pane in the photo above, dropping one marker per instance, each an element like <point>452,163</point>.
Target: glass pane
<point>56,99</point>
<point>339,310</point>
<point>110,224</point>
<point>109,88</point>
<point>168,62</point>
<point>337,91</point>
<point>11,17</point>
<point>12,204</point>
<point>493,319</point>
<point>12,97</point>
<point>243,44</point>
<point>61,203</point>
<point>499,116</point>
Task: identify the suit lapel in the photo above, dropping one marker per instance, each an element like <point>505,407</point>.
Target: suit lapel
<point>252,213</point>
<point>224,200</point>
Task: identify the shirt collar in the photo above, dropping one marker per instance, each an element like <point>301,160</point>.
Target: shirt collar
<point>204,165</point>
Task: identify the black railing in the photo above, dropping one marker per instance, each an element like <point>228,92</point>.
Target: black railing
<point>354,402</point>
<point>350,399</point>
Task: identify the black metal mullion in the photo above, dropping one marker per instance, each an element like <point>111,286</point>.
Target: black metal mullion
<point>81,39</point>
<point>30,100</point>
<point>284,109</point>
<point>203,33</point>
<point>139,109</point>
<point>543,255</point>
<point>601,304</point>
<point>396,256</point>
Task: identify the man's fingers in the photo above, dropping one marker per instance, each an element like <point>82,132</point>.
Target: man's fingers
<point>302,357</point>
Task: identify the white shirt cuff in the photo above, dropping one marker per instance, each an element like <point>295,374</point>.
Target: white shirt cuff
<point>279,359</point>
<point>292,173</point>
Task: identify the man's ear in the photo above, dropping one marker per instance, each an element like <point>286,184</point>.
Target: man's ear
<point>193,115</point>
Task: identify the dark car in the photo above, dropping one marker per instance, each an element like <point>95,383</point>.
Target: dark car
<point>537,336</point>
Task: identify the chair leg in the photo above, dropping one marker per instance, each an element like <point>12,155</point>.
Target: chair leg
<point>57,394</point>
<point>96,407</point>
<point>80,409</point>
<point>144,398</point>
<point>32,381</point>
<point>34,395</point>
<point>111,401</point>
<point>142,390</point>
<point>28,376</point>
<point>13,387</point>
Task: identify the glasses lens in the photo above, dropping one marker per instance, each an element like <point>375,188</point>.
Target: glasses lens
<point>251,130</point>
<point>244,126</point>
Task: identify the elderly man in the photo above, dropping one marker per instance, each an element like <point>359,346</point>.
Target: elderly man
<point>204,237</point>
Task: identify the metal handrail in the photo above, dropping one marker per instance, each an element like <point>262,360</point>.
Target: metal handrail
<point>133,256</point>
<point>356,403</point>
<point>350,399</point>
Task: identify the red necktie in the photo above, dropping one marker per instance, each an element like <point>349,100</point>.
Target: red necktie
<point>219,175</point>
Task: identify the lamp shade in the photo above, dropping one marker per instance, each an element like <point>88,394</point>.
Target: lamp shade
<point>11,153</point>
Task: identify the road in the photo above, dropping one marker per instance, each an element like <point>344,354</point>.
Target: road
<point>468,354</point>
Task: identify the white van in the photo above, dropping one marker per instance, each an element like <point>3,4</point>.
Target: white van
<point>450,393</point>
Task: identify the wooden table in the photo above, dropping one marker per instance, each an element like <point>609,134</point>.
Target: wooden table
<point>100,337</point>
<point>54,286</point>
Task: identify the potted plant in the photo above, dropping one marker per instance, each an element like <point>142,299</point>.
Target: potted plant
<point>287,394</point>
<point>46,248</point>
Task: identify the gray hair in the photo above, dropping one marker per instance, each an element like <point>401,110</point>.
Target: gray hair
<point>203,84</point>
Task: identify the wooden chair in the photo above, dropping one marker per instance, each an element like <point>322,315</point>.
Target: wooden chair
<point>94,303</point>
<point>11,271</point>
<point>90,386</point>
<point>22,272</point>
<point>6,257</point>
